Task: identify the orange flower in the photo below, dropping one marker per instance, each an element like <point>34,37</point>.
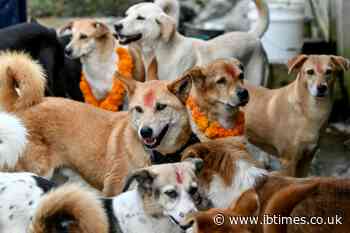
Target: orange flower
<point>114,99</point>
<point>213,129</point>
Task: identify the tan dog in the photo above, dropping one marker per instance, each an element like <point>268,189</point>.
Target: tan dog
<point>259,193</point>
<point>217,94</point>
<point>147,25</point>
<point>102,146</point>
<point>286,122</point>
<point>100,55</point>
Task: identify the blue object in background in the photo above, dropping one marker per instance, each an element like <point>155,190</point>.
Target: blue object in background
<point>12,12</point>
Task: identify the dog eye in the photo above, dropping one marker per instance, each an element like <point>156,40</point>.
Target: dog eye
<point>160,106</point>
<point>310,72</point>
<point>329,71</point>
<point>222,80</point>
<point>140,17</point>
<point>139,109</point>
<point>241,67</point>
<point>193,190</point>
<point>83,36</point>
<point>171,193</point>
<point>241,76</point>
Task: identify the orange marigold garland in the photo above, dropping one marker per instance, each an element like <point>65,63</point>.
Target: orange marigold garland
<point>115,97</point>
<point>213,129</point>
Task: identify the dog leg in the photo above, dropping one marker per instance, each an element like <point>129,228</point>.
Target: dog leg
<point>114,180</point>
<point>303,165</point>
<point>257,69</point>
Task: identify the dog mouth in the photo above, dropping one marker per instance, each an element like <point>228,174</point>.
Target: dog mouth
<point>183,227</point>
<point>153,142</point>
<point>127,39</point>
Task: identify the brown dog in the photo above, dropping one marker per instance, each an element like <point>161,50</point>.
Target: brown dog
<point>102,146</point>
<point>286,122</point>
<point>260,194</point>
<point>216,95</point>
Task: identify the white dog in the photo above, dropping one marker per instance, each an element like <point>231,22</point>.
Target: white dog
<point>155,32</point>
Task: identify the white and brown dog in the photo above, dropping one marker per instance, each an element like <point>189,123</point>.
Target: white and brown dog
<point>102,146</point>
<point>147,25</point>
<point>164,196</point>
<point>230,175</point>
<point>101,56</point>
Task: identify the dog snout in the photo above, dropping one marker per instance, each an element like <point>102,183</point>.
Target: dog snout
<point>146,132</point>
<point>322,89</point>
<point>243,94</point>
<point>118,27</point>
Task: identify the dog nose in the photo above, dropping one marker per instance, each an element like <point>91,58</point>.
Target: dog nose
<point>322,88</point>
<point>118,27</point>
<point>146,132</point>
<point>68,51</point>
<point>242,94</point>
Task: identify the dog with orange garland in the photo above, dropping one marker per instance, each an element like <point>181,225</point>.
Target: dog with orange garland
<point>238,187</point>
<point>101,56</point>
<point>102,146</point>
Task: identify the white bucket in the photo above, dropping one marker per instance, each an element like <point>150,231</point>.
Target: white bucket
<point>285,36</point>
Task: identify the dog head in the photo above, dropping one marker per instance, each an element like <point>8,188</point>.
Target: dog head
<point>318,72</point>
<point>86,33</point>
<point>158,113</point>
<point>146,23</point>
<point>169,190</point>
<point>218,89</point>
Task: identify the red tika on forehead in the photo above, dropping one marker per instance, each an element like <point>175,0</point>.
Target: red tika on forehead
<point>319,67</point>
<point>231,70</point>
<point>179,176</point>
<point>149,98</point>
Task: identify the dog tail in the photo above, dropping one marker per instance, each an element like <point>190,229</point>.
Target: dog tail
<point>13,140</point>
<point>70,208</point>
<point>22,81</point>
<point>264,18</point>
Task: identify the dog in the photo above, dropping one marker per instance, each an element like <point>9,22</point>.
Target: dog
<point>165,194</point>
<point>155,32</point>
<point>287,122</point>
<point>117,142</point>
<point>243,189</point>
<point>20,194</point>
<point>228,169</point>
<point>43,45</point>
<point>216,96</point>
<point>101,56</point>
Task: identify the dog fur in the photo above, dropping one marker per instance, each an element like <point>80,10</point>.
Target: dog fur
<point>95,45</point>
<point>152,207</point>
<point>102,146</point>
<point>155,32</point>
<point>20,194</point>
<point>13,139</point>
<point>298,109</point>
<point>227,169</point>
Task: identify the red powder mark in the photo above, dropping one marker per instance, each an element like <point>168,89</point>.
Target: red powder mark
<point>319,68</point>
<point>231,71</point>
<point>179,176</point>
<point>149,99</point>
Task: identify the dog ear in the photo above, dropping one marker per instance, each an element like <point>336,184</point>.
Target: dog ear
<point>144,179</point>
<point>128,83</point>
<point>167,26</point>
<point>341,62</point>
<point>295,64</point>
<point>101,29</point>
<point>65,28</point>
<point>181,87</point>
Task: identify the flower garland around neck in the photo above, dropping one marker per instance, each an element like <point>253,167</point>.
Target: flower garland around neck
<point>213,129</point>
<point>114,99</point>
